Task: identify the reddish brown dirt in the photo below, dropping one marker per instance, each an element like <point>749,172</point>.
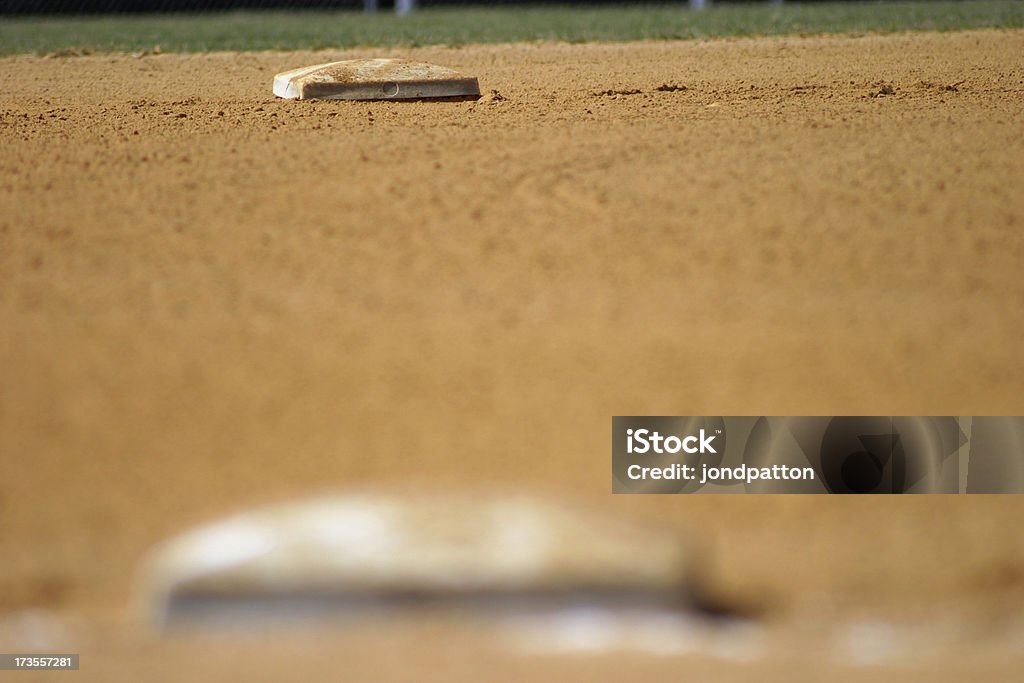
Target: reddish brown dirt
<point>210,298</point>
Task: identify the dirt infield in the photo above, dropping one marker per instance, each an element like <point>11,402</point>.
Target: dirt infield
<point>210,298</point>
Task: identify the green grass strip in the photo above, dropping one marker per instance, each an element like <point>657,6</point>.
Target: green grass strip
<point>295,30</point>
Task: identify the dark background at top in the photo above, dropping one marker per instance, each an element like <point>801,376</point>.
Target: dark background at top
<point>111,6</point>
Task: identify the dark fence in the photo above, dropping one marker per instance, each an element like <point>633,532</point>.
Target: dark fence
<point>152,6</point>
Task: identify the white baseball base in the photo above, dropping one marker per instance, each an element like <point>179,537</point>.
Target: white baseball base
<point>374,79</point>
